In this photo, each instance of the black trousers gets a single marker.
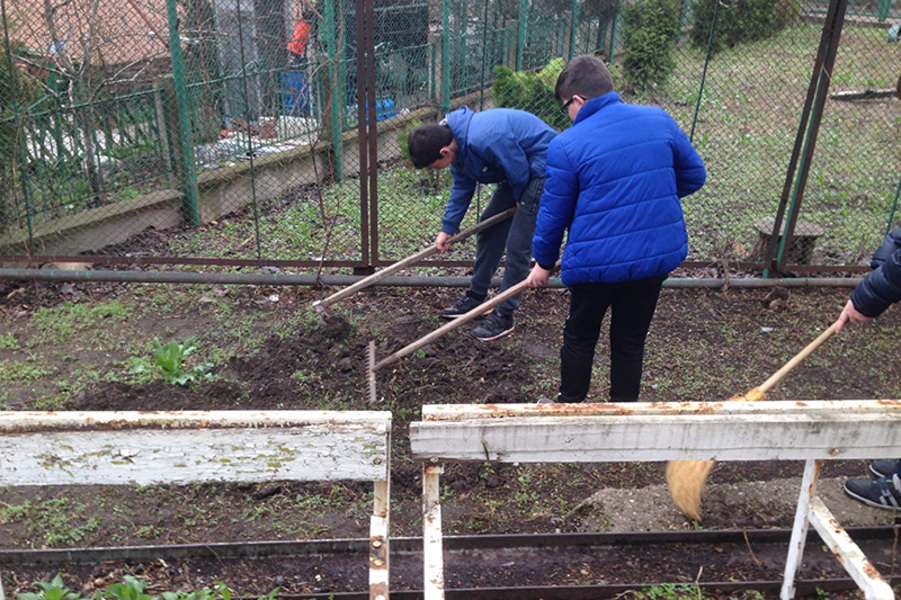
(633, 304)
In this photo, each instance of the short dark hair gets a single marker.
(426, 142)
(584, 76)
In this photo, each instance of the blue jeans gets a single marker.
(513, 236)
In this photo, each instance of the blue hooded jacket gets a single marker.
(881, 288)
(614, 180)
(499, 145)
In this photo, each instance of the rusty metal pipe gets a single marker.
(186, 277)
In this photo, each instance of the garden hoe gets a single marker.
(686, 478)
(322, 305)
(475, 313)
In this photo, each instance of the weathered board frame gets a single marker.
(546, 433)
(131, 447)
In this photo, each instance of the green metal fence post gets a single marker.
(884, 6)
(683, 13)
(460, 49)
(445, 56)
(573, 28)
(602, 34)
(333, 85)
(613, 26)
(522, 33)
(189, 170)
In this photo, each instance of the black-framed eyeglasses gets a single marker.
(566, 104)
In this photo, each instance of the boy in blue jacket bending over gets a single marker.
(614, 180)
(503, 146)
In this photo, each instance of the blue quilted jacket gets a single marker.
(499, 145)
(881, 288)
(614, 180)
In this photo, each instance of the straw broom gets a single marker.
(686, 478)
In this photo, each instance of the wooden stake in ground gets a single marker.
(475, 313)
(370, 372)
(686, 478)
(322, 305)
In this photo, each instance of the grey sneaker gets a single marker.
(493, 327)
(884, 492)
(463, 306)
(884, 467)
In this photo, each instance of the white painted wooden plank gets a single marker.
(799, 529)
(650, 438)
(459, 412)
(34, 421)
(379, 554)
(382, 489)
(324, 452)
(849, 555)
(432, 544)
(381, 498)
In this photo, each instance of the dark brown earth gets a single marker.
(703, 345)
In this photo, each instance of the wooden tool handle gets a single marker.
(462, 320)
(321, 305)
(794, 362)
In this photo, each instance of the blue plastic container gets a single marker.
(295, 93)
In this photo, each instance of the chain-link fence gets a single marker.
(229, 130)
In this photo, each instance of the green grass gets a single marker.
(56, 522)
(21, 371)
(669, 591)
(748, 120)
(70, 318)
(9, 342)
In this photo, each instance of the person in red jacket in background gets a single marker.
(297, 45)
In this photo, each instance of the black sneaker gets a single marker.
(881, 493)
(493, 326)
(885, 467)
(463, 306)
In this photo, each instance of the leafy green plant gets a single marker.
(403, 137)
(532, 91)
(428, 180)
(19, 89)
(170, 360)
(131, 588)
(50, 590)
(602, 9)
(8, 342)
(742, 21)
(649, 35)
(168, 363)
(669, 591)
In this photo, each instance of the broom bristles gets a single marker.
(686, 479)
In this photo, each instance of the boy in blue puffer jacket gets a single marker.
(872, 297)
(614, 180)
(503, 146)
